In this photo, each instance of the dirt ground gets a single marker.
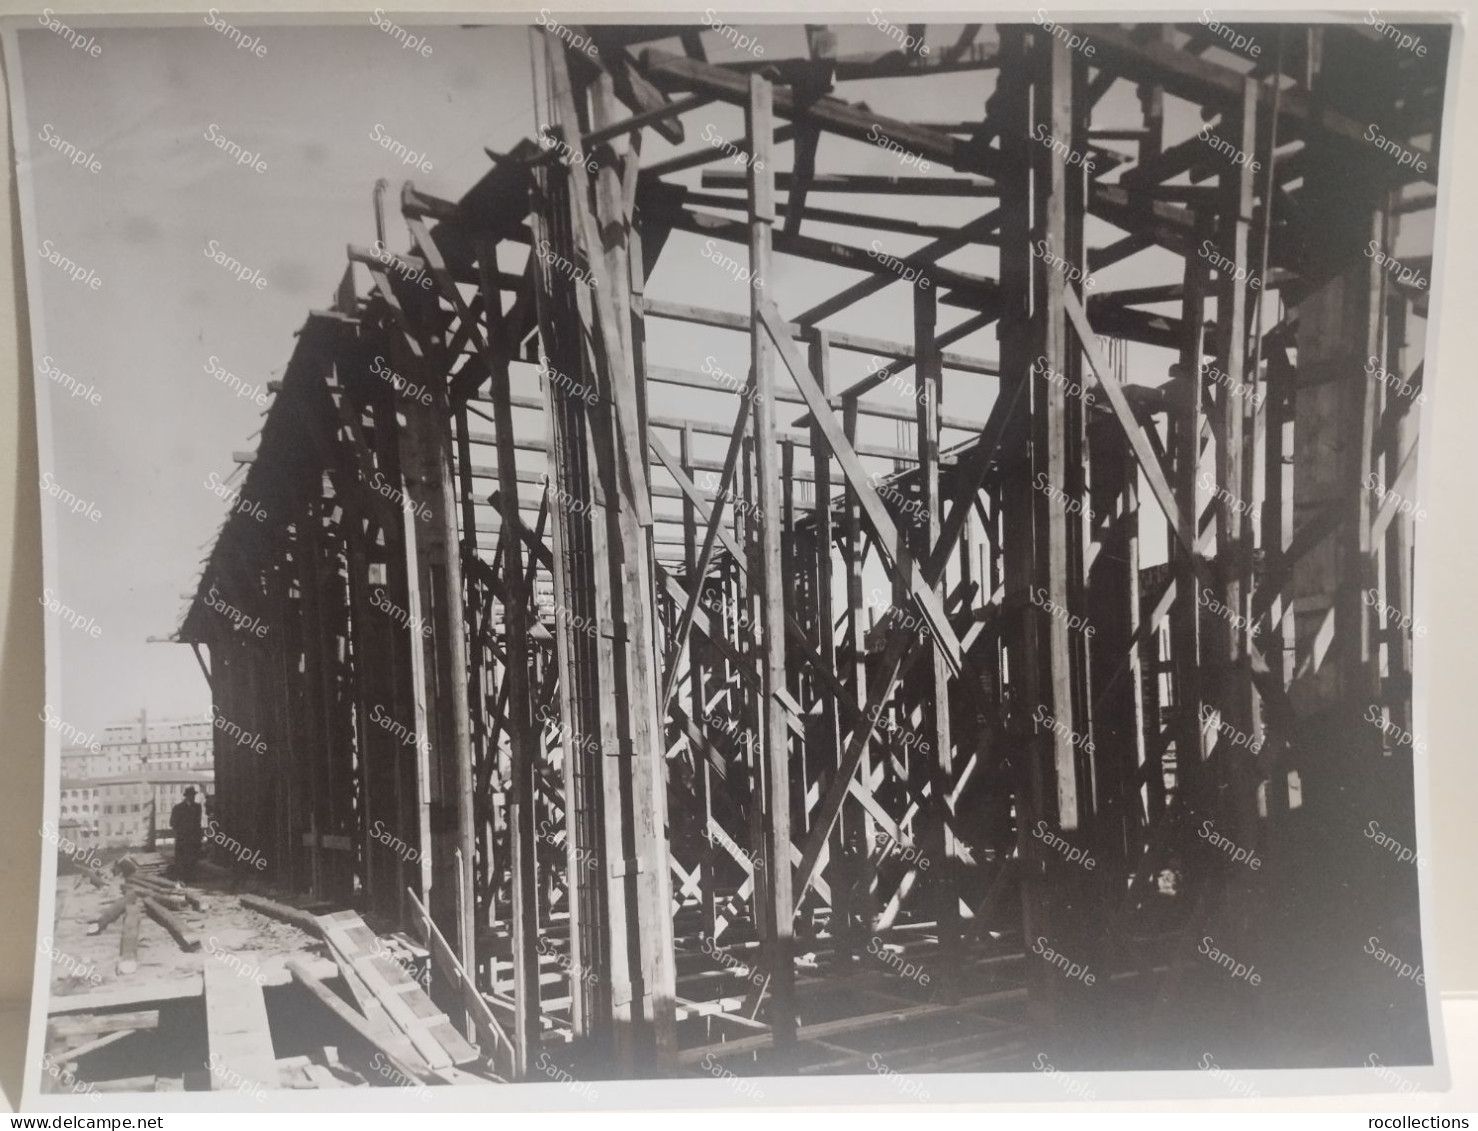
(87, 964)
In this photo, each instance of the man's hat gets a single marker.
(189, 791)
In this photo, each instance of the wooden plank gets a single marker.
(124, 997)
(1150, 463)
(866, 184)
(929, 253)
(1057, 444)
(383, 988)
(713, 531)
(166, 919)
(844, 340)
(832, 114)
(107, 915)
(413, 995)
(87, 1027)
(524, 742)
(128, 939)
(1162, 64)
(304, 919)
(935, 722)
(77, 1053)
(770, 583)
(889, 540)
(340, 1009)
(238, 1033)
(892, 668)
(611, 335)
(127, 1084)
(377, 1018)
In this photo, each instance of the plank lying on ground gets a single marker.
(172, 989)
(170, 902)
(376, 1017)
(97, 1043)
(239, 1034)
(107, 915)
(127, 1084)
(128, 939)
(304, 919)
(64, 1028)
(340, 1009)
(406, 1002)
(384, 984)
(168, 888)
(140, 862)
(121, 997)
(171, 923)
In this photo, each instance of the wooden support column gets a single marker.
(646, 870)
(856, 674)
(1037, 82)
(431, 519)
(1234, 770)
(846, 849)
(635, 914)
(697, 654)
(770, 583)
(1187, 419)
(939, 845)
(518, 706)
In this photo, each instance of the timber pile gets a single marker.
(146, 891)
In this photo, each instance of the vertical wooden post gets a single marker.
(774, 742)
(1235, 771)
(528, 1014)
(1187, 422)
(865, 905)
(845, 853)
(697, 652)
(938, 755)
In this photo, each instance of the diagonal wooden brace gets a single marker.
(890, 541)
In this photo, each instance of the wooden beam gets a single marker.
(238, 1034)
(889, 539)
(845, 119)
(778, 910)
(337, 1006)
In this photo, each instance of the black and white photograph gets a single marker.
(871, 561)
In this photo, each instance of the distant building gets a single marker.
(143, 745)
(133, 809)
(78, 811)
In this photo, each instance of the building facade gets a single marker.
(132, 810)
(143, 745)
(113, 788)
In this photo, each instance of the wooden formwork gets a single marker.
(624, 711)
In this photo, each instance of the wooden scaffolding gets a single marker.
(735, 740)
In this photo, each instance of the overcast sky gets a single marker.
(310, 108)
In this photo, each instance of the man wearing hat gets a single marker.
(184, 820)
